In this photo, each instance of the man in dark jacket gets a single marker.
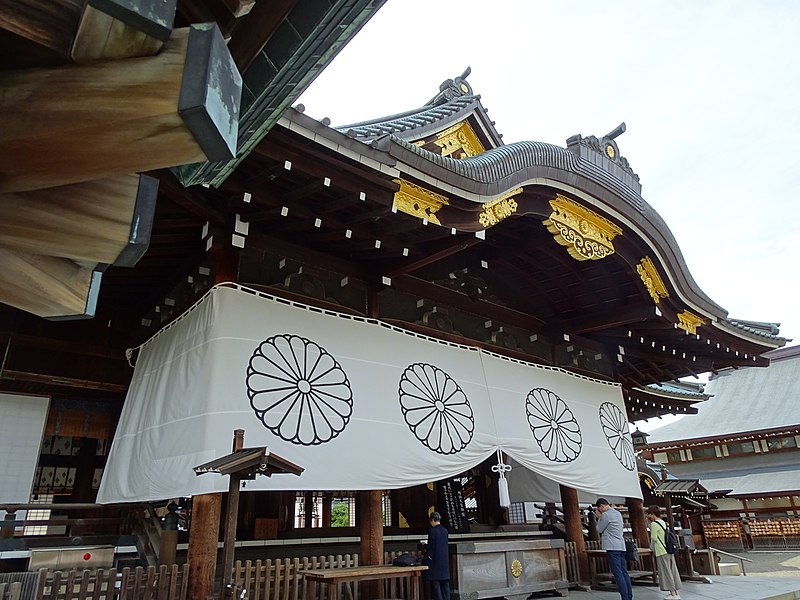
(437, 558)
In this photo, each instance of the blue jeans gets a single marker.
(440, 589)
(619, 569)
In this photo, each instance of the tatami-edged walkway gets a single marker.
(750, 587)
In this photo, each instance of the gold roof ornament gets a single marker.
(651, 279)
(418, 201)
(459, 137)
(689, 322)
(586, 235)
(495, 211)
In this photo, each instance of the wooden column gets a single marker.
(371, 530)
(593, 535)
(308, 510)
(370, 517)
(574, 528)
(327, 505)
(229, 544)
(82, 489)
(203, 541)
(638, 522)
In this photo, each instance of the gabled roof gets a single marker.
(680, 487)
(746, 400)
(454, 103)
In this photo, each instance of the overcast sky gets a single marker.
(710, 93)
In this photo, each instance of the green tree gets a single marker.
(340, 514)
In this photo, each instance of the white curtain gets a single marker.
(358, 403)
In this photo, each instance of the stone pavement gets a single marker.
(750, 587)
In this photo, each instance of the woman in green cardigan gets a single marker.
(669, 579)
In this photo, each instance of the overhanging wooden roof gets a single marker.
(322, 218)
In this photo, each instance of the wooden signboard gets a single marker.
(450, 501)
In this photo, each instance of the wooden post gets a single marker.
(327, 505)
(203, 542)
(574, 528)
(229, 543)
(670, 518)
(638, 522)
(371, 530)
(8, 532)
(308, 510)
(593, 535)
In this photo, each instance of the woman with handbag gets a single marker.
(669, 579)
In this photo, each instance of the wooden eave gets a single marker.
(322, 229)
(728, 437)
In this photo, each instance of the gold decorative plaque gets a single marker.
(516, 568)
(586, 235)
(651, 279)
(417, 201)
(459, 137)
(689, 322)
(495, 211)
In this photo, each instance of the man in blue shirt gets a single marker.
(609, 526)
(437, 557)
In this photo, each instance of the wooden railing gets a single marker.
(10, 591)
(279, 579)
(153, 583)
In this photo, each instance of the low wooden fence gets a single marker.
(280, 579)
(10, 591)
(153, 583)
(277, 579)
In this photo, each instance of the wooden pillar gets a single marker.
(82, 489)
(638, 521)
(327, 505)
(670, 518)
(593, 535)
(574, 528)
(371, 530)
(308, 510)
(203, 541)
(8, 532)
(229, 545)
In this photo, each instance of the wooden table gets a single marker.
(638, 573)
(333, 577)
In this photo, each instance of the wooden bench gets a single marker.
(333, 577)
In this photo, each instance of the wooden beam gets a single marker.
(78, 123)
(46, 286)
(438, 293)
(40, 31)
(257, 28)
(239, 8)
(602, 320)
(59, 381)
(449, 250)
(104, 221)
(113, 29)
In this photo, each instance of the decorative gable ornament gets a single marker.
(585, 234)
(651, 279)
(689, 322)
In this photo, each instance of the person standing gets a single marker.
(609, 526)
(437, 558)
(669, 579)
